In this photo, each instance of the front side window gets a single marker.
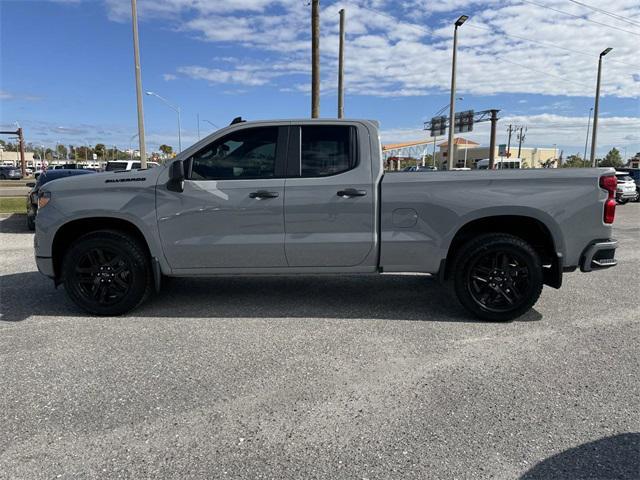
(327, 150)
(245, 154)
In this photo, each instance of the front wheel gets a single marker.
(497, 277)
(107, 273)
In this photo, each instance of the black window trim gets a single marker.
(294, 157)
(280, 161)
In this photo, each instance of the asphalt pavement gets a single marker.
(328, 377)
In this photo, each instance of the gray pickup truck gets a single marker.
(311, 197)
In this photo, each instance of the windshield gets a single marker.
(111, 166)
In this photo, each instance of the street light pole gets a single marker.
(341, 67)
(586, 141)
(451, 148)
(177, 110)
(595, 109)
(315, 58)
(136, 61)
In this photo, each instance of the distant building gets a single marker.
(468, 153)
(13, 158)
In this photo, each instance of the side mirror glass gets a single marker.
(176, 177)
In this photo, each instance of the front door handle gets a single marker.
(351, 192)
(263, 194)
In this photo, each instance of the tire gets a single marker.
(107, 273)
(31, 223)
(637, 197)
(622, 201)
(497, 277)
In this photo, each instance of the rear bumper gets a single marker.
(599, 255)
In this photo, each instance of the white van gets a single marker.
(499, 164)
(120, 165)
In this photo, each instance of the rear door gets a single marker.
(329, 204)
(230, 214)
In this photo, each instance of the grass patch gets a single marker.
(13, 205)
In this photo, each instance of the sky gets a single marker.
(66, 67)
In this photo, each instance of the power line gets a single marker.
(582, 18)
(605, 12)
(474, 25)
(500, 59)
(547, 44)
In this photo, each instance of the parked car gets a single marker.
(46, 177)
(626, 189)
(120, 165)
(10, 173)
(311, 196)
(635, 174)
(420, 168)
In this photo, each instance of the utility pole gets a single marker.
(451, 148)
(22, 161)
(521, 135)
(586, 141)
(18, 132)
(510, 130)
(594, 138)
(315, 58)
(341, 68)
(492, 139)
(136, 61)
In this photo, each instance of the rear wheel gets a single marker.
(107, 273)
(497, 277)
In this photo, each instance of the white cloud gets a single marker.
(390, 57)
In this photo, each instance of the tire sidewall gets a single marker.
(131, 252)
(488, 244)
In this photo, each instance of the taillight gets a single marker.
(609, 183)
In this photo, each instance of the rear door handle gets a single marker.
(263, 194)
(351, 192)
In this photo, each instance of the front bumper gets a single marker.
(599, 255)
(45, 266)
(626, 195)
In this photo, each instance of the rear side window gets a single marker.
(327, 150)
(245, 154)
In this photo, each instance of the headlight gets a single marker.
(43, 199)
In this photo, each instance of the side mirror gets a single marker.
(30, 184)
(176, 177)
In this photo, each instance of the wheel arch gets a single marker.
(531, 229)
(74, 229)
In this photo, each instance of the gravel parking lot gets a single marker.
(300, 377)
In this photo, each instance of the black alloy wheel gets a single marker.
(103, 275)
(498, 280)
(107, 272)
(497, 277)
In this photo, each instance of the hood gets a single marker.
(105, 180)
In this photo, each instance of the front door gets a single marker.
(230, 214)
